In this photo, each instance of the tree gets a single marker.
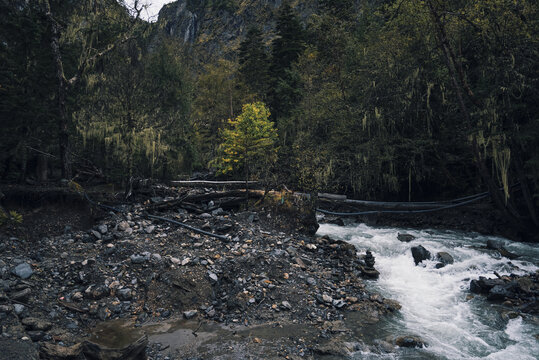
(94, 28)
(220, 95)
(254, 62)
(249, 144)
(286, 48)
(134, 116)
(26, 118)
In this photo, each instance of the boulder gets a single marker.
(501, 292)
(409, 341)
(494, 244)
(420, 253)
(405, 237)
(444, 259)
(483, 285)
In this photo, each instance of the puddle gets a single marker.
(179, 337)
(115, 333)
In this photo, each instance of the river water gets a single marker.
(434, 301)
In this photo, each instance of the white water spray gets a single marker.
(434, 301)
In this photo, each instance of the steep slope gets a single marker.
(216, 28)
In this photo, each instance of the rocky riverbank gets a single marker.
(141, 272)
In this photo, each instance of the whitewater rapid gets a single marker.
(435, 302)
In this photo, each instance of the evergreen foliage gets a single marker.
(254, 62)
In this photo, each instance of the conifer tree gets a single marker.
(286, 48)
(254, 62)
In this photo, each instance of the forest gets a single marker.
(380, 100)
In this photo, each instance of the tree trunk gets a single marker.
(63, 121)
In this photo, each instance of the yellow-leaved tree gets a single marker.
(249, 143)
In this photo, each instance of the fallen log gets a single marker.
(207, 183)
(191, 199)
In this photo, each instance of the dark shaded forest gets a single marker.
(386, 100)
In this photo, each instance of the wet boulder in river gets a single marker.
(444, 259)
(483, 285)
(420, 253)
(405, 237)
(494, 244)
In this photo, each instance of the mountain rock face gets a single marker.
(215, 28)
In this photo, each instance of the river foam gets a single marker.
(435, 303)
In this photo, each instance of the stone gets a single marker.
(369, 260)
(123, 226)
(224, 228)
(185, 261)
(96, 234)
(23, 270)
(483, 285)
(149, 229)
(36, 336)
(370, 273)
(124, 294)
(77, 296)
(444, 259)
(31, 323)
(291, 251)
(18, 308)
(409, 341)
(405, 237)
(286, 305)
(501, 292)
(189, 314)
(97, 292)
(300, 263)
(327, 299)
(311, 281)
(103, 228)
(494, 244)
(156, 258)
(175, 261)
(103, 313)
(392, 305)
(137, 259)
(420, 253)
(212, 276)
(218, 212)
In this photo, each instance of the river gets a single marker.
(435, 303)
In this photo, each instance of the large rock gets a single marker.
(483, 285)
(501, 292)
(420, 253)
(444, 259)
(405, 237)
(494, 244)
(24, 271)
(409, 341)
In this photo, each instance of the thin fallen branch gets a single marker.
(220, 237)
